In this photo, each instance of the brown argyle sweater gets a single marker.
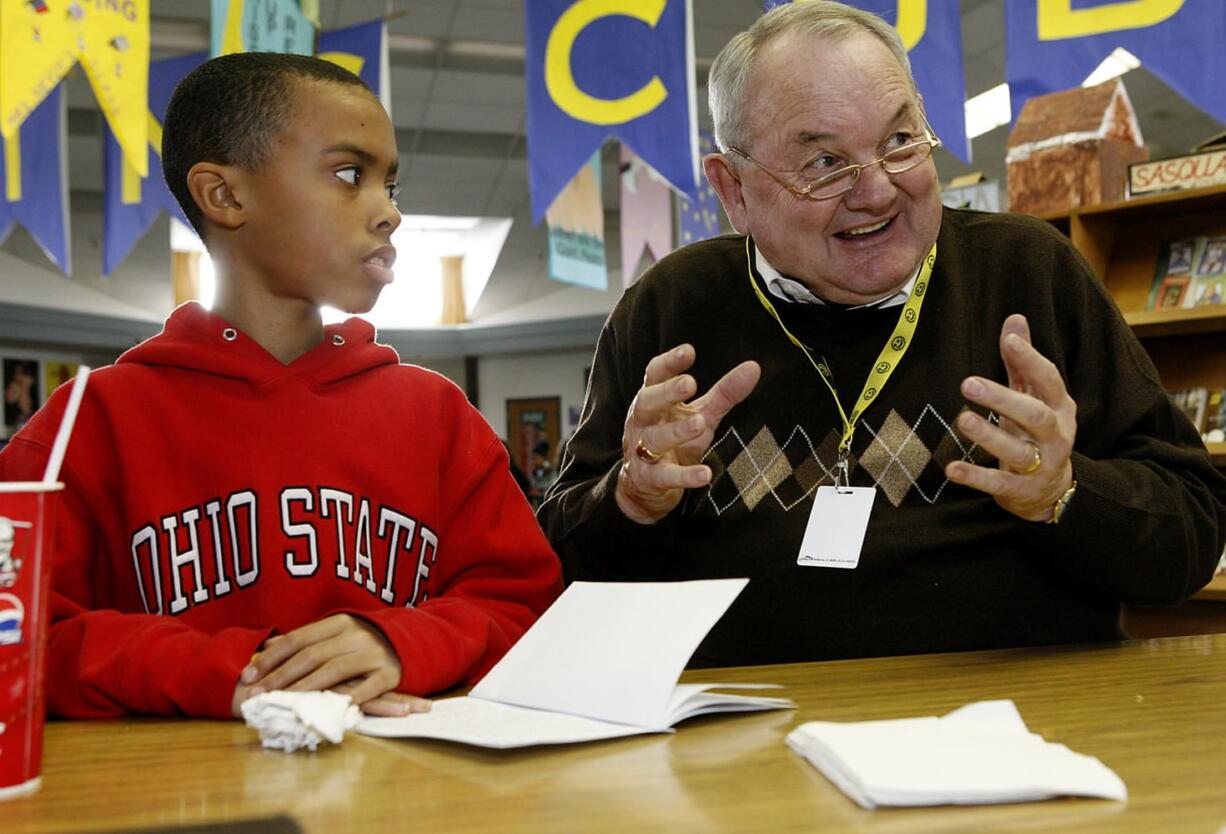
(943, 568)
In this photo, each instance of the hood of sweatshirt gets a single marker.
(194, 339)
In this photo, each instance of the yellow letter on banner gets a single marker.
(232, 34)
(12, 168)
(130, 181)
(912, 21)
(1058, 20)
(344, 60)
(560, 81)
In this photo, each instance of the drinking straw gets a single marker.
(60, 445)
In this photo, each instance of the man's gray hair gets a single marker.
(827, 19)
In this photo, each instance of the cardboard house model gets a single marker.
(1073, 148)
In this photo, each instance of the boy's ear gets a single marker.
(213, 187)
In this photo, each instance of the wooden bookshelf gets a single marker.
(1121, 240)
(1149, 324)
(1217, 453)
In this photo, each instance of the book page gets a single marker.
(498, 726)
(610, 651)
(693, 699)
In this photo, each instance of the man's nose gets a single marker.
(874, 189)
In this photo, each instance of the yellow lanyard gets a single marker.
(895, 347)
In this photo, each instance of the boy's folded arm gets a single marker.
(103, 664)
(495, 573)
(450, 641)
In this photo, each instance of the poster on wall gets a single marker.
(22, 393)
(533, 434)
(56, 373)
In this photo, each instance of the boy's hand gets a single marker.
(341, 653)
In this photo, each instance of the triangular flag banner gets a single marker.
(576, 231)
(646, 215)
(39, 43)
(597, 69)
(931, 30)
(131, 203)
(260, 26)
(361, 49)
(699, 219)
(1055, 44)
(38, 199)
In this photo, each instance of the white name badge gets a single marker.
(837, 524)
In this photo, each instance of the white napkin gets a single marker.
(979, 754)
(290, 720)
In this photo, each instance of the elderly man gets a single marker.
(915, 429)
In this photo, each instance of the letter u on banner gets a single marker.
(931, 32)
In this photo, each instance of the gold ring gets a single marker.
(1034, 464)
(644, 454)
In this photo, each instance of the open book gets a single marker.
(602, 662)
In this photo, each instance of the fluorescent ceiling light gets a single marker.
(415, 298)
(1116, 64)
(987, 111)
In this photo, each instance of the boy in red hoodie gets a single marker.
(255, 501)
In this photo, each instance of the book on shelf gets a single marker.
(1190, 273)
(1206, 409)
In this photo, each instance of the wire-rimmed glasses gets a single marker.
(838, 183)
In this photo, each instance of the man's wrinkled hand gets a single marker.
(1033, 442)
(666, 433)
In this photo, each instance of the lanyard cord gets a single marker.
(887, 360)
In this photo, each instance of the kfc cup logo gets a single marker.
(9, 563)
(12, 613)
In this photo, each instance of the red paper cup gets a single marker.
(26, 511)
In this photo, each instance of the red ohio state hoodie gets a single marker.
(214, 497)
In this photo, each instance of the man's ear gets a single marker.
(727, 185)
(214, 188)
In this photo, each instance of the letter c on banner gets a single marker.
(560, 81)
(912, 22)
(1058, 19)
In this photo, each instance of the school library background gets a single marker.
(1108, 121)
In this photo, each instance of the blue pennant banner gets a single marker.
(931, 30)
(361, 49)
(699, 219)
(130, 203)
(601, 68)
(38, 199)
(1055, 44)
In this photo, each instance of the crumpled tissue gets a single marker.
(292, 720)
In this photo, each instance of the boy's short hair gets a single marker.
(228, 109)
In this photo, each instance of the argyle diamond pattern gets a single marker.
(900, 458)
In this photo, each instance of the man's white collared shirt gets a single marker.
(788, 289)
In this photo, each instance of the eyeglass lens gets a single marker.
(897, 161)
